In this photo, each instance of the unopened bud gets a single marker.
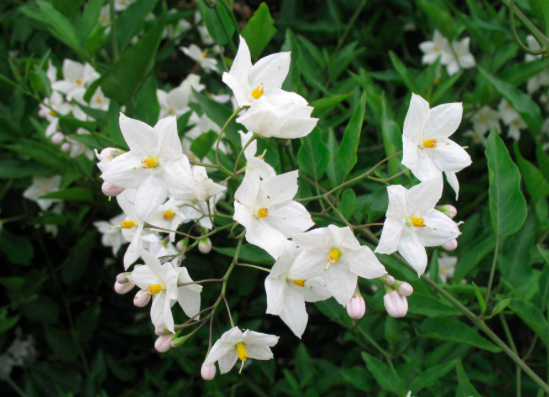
(205, 245)
(449, 210)
(356, 308)
(405, 289)
(142, 298)
(108, 152)
(66, 147)
(390, 280)
(122, 279)
(182, 244)
(395, 304)
(160, 330)
(450, 245)
(58, 138)
(123, 288)
(163, 343)
(111, 190)
(208, 373)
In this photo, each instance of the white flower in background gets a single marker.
(194, 52)
(111, 232)
(476, 137)
(159, 247)
(235, 344)
(255, 163)
(205, 187)
(205, 35)
(121, 5)
(51, 73)
(6, 364)
(174, 31)
(77, 147)
(286, 297)
(427, 150)
(99, 100)
(461, 57)
(221, 98)
(76, 78)
(22, 349)
(167, 216)
(335, 253)
(161, 282)
(132, 226)
(438, 47)
(42, 186)
(52, 107)
(280, 114)
(485, 120)
(541, 79)
(52, 229)
(155, 164)
(267, 210)
(176, 102)
(446, 267)
(512, 119)
(105, 15)
(413, 223)
(203, 125)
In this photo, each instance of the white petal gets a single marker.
(315, 290)
(134, 250)
(275, 290)
(234, 335)
(270, 71)
(154, 264)
(416, 118)
(309, 263)
(363, 263)
(279, 189)
(413, 251)
(242, 215)
(140, 137)
(258, 338)
(319, 238)
(150, 195)
(452, 179)
(170, 145)
(219, 349)
(189, 300)
(341, 282)
(157, 308)
(177, 175)
(258, 352)
(424, 196)
(390, 235)
(449, 156)
(247, 191)
(439, 230)
(125, 171)
(265, 236)
(294, 313)
(72, 70)
(227, 362)
(290, 219)
(443, 121)
(343, 237)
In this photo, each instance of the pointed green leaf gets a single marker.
(465, 388)
(499, 307)
(383, 375)
(535, 182)
(259, 31)
(347, 204)
(403, 71)
(313, 155)
(428, 377)
(455, 331)
(480, 299)
(532, 316)
(346, 155)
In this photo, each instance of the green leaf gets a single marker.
(60, 26)
(6, 323)
(43, 310)
(86, 322)
(131, 20)
(455, 331)
(304, 366)
(292, 81)
(71, 194)
(62, 344)
(248, 253)
(334, 174)
(407, 77)
(532, 316)
(313, 155)
(428, 306)
(480, 299)
(383, 375)
(347, 204)
(499, 307)
(79, 258)
(522, 103)
(91, 89)
(217, 26)
(358, 377)
(392, 138)
(535, 182)
(134, 65)
(443, 87)
(114, 125)
(203, 143)
(90, 17)
(346, 155)
(543, 161)
(322, 105)
(465, 388)
(259, 31)
(124, 372)
(439, 14)
(147, 108)
(21, 169)
(507, 204)
(68, 7)
(520, 73)
(428, 377)
(18, 249)
(473, 256)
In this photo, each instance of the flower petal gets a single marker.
(227, 362)
(294, 313)
(423, 196)
(439, 229)
(341, 282)
(258, 338)
(413, 251)
(443, 121)
(140, 137)
(363, 263)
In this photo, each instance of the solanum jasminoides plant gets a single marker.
(344, 199)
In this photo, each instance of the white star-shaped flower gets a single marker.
(194, 52)
(111, 232)
(512, 119)
(42, 186)
(76, 78)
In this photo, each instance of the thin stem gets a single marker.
(255, 267)
(219, 139)
(253, 138)
(378, 347)
(350, 25)
(200, 282)
(512, 344)
(540, 37)
(228, 310)
(114, 42)
(492, 270)
(338, 212)
(14, 386)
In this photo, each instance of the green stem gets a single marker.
(114, 42)
(378, 347)
(512, 344)
(540, 37)
(14, 386)
(492, 271)
(252, 139)
(350, 25)
(221, 167)
(254, 266)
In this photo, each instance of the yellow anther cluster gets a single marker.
(418, 222)
(242, 352)
(300, 283)
(148, 162)
(168, 215)
(333, 257)
(154, 289)
(263, 212)
(430, 143)
(127, 224)
(258, 91)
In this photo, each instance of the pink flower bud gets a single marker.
(123, 288)
(141, 298)
(107, 152)
(182, 244)
(163, 343)
(66, 147)
(356, 308)
(160, 330)
(58, 138)
(405, 289)
(122, 279)
(111, 190)
(208, 373)
(395, 304)
(450, 245)
(390, 280)
(205, 246)
(449, 210)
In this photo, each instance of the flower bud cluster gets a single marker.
(395, 300)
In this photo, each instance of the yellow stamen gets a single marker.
(263, 212)
(437, 48)
(192, 158)
(242, 352)
(98, 99)
(149, 162)
(154, 289)
(516, 122)
(168, 215)
(258, 91)
(105, 19)
(418, 222)
(333, 257)
(484, 118)
(127, 224)
(52, 113)
(442, 271)
(300, 283)
(437, 80)
(78, 81)
(430, 143)
(203, 55)
(46, 191)
(170, 111)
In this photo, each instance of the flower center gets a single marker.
(203, 55)
(437, 80)
(300, 283)
(154, 289)
(241, 350)
(78, 81)
(170, 111)
(332, 258)
(192, 158)
(442, 271)
(98, 99)
(127, 224)
(516, 122)
(258, 91)
(418, 222)
(430, 143)
(263, 212)
(123, 2)
(168, 215)
(484, 118)
(149, 162)
(437, 48)
(52, 112)
(46, 191)
(105, 19)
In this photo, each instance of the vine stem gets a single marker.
(222, 167)
(14, 386)
(492, 270)
(252, 139)
(540, 37)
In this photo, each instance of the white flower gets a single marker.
(194, 52)
(427, 150)
(204, 125)
(476, 137)
(413, 223)
(176, 102)
(155, 164)
(105, 15)
(167, 216)
(52, 107)
(76, 79)
(132, 226)
(540, 79)
(221, 98)
(446, 267)
(99, 100)
(205, 187)
(512, 119)
(460, 57)
(22, 349)
(335, 253)
(77, 147)
(267, 210)
(174, 32)
(257, 164)
(42, 186)
(235, 344)
(286, 297)
(485, 120)
(121, 5)
(6, 364)
(112, 232)
(439, 47)
(205, 35)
